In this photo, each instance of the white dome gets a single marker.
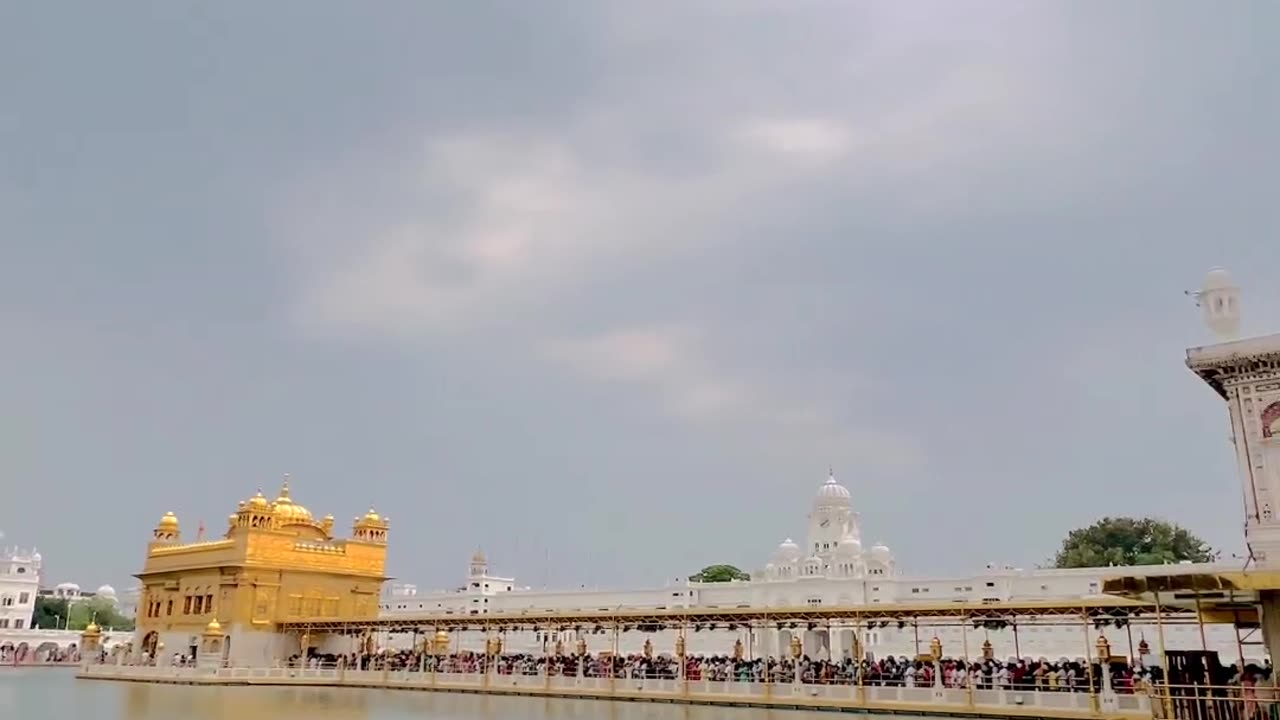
(68, 586)
(849, 546)
(788, 551)
(832, 494)
(106, 591)
(1218, 279)
(880, 551)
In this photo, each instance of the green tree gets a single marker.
(50, 613)
(98, 610)
(719, 573)
(1131, 541)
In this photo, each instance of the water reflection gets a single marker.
(53, 693)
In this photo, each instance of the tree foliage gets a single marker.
(50, 613)
(98, 610)
(1131, 541)
(57, 614)
(718, 574)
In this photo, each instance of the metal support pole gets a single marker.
(1204, 645)
(1088, 661)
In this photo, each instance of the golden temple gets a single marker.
(274, 563)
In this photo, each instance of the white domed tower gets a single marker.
(880, 560)
(783, 564)
(846, 559)
(832, 519)
(1219, 300)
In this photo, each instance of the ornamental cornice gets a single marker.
(1224, 370)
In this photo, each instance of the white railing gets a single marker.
(700, 691)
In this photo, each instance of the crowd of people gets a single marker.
(1025, 674)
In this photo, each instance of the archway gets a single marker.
(847, 644)
(149, 643)
(6, 652)
(21, 653)
(46, 652)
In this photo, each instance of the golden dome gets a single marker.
(169, 521)
(442, 636)
(213, 628)
(287, 510)
(92, 628)
(258, 502)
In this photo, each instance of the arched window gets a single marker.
(1271, 420)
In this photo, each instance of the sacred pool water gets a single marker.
(38, 693)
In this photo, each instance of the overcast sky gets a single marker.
(605, 288)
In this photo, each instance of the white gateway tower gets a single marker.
(1246, 374)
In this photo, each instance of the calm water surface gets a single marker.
(50, 693)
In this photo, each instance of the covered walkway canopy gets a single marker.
(1232, 596)
(1096, 609)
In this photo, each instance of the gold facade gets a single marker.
(275, 563)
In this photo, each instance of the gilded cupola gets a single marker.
(255, 513)
(371, 528)
(167, 529)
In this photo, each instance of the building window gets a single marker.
(168, 609)
(814, 601)
(186, 605)
(17, 624)
(23, 598)
(6, 601)
(4, 623)
(991, 584)
(208, 603)
(915, 590)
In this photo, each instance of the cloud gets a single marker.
(813, 137)
(673, 364)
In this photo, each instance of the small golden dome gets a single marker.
(372, 516)
(92, 628)
(169, 520)
(213, 628)
(442, 636)
(258, 502)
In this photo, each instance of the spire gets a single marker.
(200, 532)
(284, 487)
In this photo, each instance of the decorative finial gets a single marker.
(200, 531)
(284, 487)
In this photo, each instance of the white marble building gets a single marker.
(19, 586)
(837, 571)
